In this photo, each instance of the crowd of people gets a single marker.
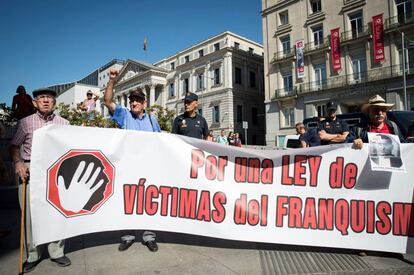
(232, 139)
(332, 130)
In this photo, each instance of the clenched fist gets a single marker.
(113, 74)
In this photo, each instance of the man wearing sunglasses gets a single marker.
(134, 119)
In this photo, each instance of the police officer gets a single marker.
(190, 124)
(332, 130)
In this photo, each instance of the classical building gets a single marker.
(225, 71)
(366, 52)
(139, 75)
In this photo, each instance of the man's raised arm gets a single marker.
(109, 91)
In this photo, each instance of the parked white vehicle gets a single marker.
(291, 141)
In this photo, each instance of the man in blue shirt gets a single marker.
(134, 119)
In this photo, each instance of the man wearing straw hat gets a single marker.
(44, 101)
(376, 110)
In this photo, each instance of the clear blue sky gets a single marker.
(45, 42)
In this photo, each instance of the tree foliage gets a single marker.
(7, 117)
(164, 116)
(75, 116)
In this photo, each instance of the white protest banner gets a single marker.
(86, 180)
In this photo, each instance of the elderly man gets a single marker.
(332, 130)
(376, 110)
(190, 124)
(134, 119)
(44, 101)
(307, 138)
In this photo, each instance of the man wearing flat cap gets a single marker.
(190, 124)
(376, 110)
(134, 119)
(44, 101)
(332, 130)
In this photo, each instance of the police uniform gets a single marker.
(185, 125)
(337, 126)
(195, 127)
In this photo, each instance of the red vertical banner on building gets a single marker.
(336, 50)
(378, 38)
(300, 59)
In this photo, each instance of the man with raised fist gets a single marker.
(134, 119)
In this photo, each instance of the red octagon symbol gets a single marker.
(52, 194)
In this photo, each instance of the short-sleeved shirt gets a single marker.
(222, 140)
(90, 104)
(127, 120)
(26, 128)
(337, 126)
(311, 137)
(195, 127)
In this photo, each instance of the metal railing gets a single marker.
(355, 33)
(285, 92)
(355, 78)
(317, 45)
(284, 54)
(398, 20)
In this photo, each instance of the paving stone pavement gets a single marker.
(97, 254)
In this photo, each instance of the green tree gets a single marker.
(164, 116)
(7, 117)
(75, 116)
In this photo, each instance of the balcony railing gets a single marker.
(317, 45)
(355, 78)
(285, 92)
(399, 20)
(355, 33)
(284, 54)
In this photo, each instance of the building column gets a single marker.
(152, 95)
(346, 64)
(208, 78)
(228, 68)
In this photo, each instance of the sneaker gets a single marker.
(30, 266)
(62, 261)
(152, 246)
(124, 245)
